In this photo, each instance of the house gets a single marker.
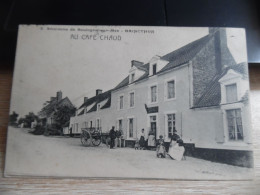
(50, 107)
(198, 90)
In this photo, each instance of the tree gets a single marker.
(28, 119)
(13, 118)
(63, 114)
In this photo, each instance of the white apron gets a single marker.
(151, 140)
(176, 151)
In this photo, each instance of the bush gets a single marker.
(39, 130)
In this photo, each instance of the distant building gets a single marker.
(198, 89)
(47, 112)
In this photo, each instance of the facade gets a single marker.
(198, 90)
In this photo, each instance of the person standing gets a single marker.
(151, 139)
(112, 135)
(142, 140)
(118, 139)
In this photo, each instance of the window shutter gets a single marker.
(149, 94)
(220, 136)
(118, 103)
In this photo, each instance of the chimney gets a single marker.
(85, 99)
(134, 62)
(221, 48)
(213, 30)
(59, 95)
(52, 99)
(98, 91)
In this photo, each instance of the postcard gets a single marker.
(130, 102)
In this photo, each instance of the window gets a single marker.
(170, 124)
(98, 124)
(91, 124)
(132, 79)
(154, 69)
(171, 89)
(131, 128)
(154, 94)
(121, 102)
(76, 127)
(132, 99)
(231, 93)
(235, 128)
(120, 125)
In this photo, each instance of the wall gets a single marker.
(142, 89)
(201, 127)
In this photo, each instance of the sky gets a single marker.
(48, 59)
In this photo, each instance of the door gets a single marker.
(153, 125)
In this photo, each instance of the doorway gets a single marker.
(153, 125)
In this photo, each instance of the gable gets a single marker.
(231, 74)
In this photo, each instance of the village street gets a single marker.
(64, 156)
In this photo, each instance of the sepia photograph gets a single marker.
(130, 102)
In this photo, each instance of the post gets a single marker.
(181, 124)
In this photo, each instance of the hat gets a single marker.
(174, 130)
(160, 136)
(180, 142)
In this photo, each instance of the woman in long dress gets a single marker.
(142, 140)
(151, 139)
(176, 150)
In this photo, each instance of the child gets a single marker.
(160, 151)
(137, 145)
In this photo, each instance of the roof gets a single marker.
(123, 83)
(96, 99)
(185, 53)
(48, 109)
(175, 58)
(107, 104)
(81, 112)
(212, 93)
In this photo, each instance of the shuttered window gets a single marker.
(154, 94)
(76, 127)
(132, 99)
(98, 124)
(231, 93)
(131, 128)
(170, 124)
(120, 125)
(132, 78)
(121, 102)
(171, 89)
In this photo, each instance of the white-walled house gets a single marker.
(198, 89)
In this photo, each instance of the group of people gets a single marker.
(176, 148)
(115, 137)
